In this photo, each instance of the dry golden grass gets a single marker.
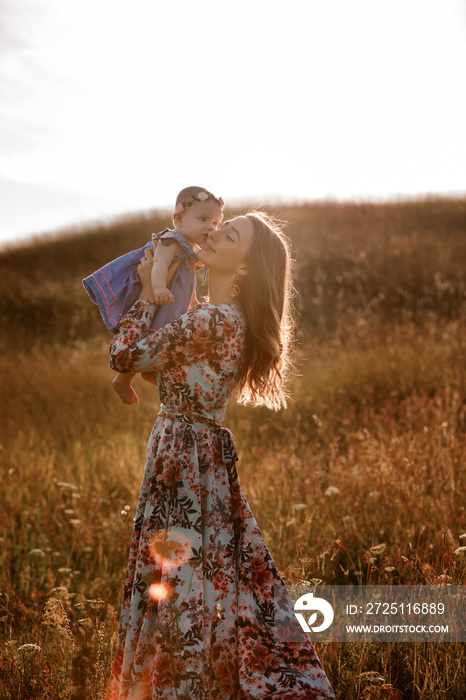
(371, 450)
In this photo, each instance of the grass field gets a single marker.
(369, 453)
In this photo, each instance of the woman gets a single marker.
(196, 619)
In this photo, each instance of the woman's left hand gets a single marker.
(144, 273)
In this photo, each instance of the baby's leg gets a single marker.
(122, 386)
(149, 377)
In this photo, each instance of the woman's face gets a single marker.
(225, 250)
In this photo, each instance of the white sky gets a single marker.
(109, 106)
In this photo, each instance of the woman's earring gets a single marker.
(233, 289)
(204, 279)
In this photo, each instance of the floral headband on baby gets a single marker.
(201, 197)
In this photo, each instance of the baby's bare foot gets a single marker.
(124, 390)
(149, 377)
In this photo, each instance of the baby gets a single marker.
(115, 287)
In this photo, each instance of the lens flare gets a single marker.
(159, 591)
(170, 548)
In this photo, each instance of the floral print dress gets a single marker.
(196, 621)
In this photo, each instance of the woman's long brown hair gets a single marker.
(266, 293)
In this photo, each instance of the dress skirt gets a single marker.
(197, 614)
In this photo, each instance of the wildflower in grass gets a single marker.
(372, 677)
(29, 648)
(378, 549)
(317, 420)
(299, 506)
(75, 521)
(59, 590)
(38, 553)
(331, 491)
(460, 550)
(95, 603)
(65, 485)
(310, 582)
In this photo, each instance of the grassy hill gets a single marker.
(361, 479)
(382, 262)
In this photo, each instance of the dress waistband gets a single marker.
(193, 421)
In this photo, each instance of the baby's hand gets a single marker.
(162, 295)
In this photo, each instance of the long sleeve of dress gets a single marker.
(205, 334)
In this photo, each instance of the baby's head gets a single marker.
(197, 212)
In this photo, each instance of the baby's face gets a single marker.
(198, 220)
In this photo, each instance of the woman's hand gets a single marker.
(144, 273)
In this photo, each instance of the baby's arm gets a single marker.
(172, 269)
(162, 271)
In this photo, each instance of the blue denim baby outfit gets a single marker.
(115, 287)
